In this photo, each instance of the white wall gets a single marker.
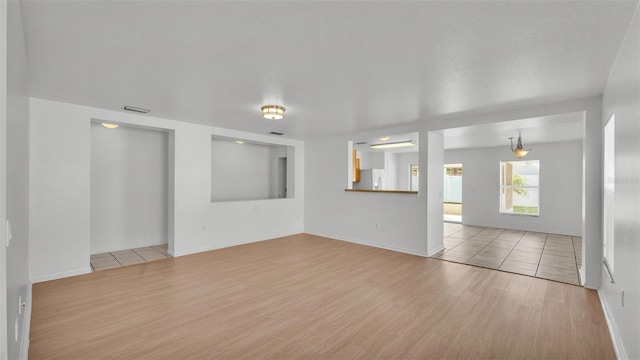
(364, 159)
(434, 184)
(376, 160)
(244, 171)
(392, 221)
(404, 162)
(622, 97)
(129, 194)
(60, 207)
(3, 179)
(60, 189)
(560, 187)
(17, 189)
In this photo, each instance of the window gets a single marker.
(519, 187)
(609, 192)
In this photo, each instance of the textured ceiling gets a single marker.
(337, 66)
(561, 127)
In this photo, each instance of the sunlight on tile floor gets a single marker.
(121, 258)
(548, 256)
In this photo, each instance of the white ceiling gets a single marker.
(364, 145)
(337, 66)
(561, 127)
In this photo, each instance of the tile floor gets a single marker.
(120, 258)
(453, 218)
(548, 256)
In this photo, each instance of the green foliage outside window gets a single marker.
(520, 181)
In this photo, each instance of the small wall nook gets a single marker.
(249, 170)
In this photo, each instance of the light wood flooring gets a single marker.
(305, 296)
(547, 256)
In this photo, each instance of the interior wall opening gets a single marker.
(385, 163)
(452, 193)
(247, 170)
(129, 195)
(494, 232)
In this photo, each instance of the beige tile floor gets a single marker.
(548, 256)
(120, 258)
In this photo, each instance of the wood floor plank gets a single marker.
(305, 296)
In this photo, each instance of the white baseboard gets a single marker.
(61, 275)
(212, 247)
(386, 247)
(26, 326)
(220, 246)
(223, 245)
(130, 246)
(435, 251)
(540, 229)
(613, 329)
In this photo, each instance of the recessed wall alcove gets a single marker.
(129, 187)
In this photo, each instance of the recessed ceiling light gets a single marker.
(273, 112)
(135, 109)
(239, 142)
(110, 126)
(383, 138)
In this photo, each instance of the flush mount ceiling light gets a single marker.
(110, 126)
(519, 151)
(383, 138)
(392, 145)
(273, 112)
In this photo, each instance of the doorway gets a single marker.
(129, 190)
(414, 175)
(452, 193)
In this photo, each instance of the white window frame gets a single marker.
(608, 187)
(503, 187)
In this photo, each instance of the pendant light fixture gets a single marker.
(519, 151)
(273, 112)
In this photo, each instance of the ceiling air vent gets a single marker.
(276, 133)
(135, 109)
(361, 143)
